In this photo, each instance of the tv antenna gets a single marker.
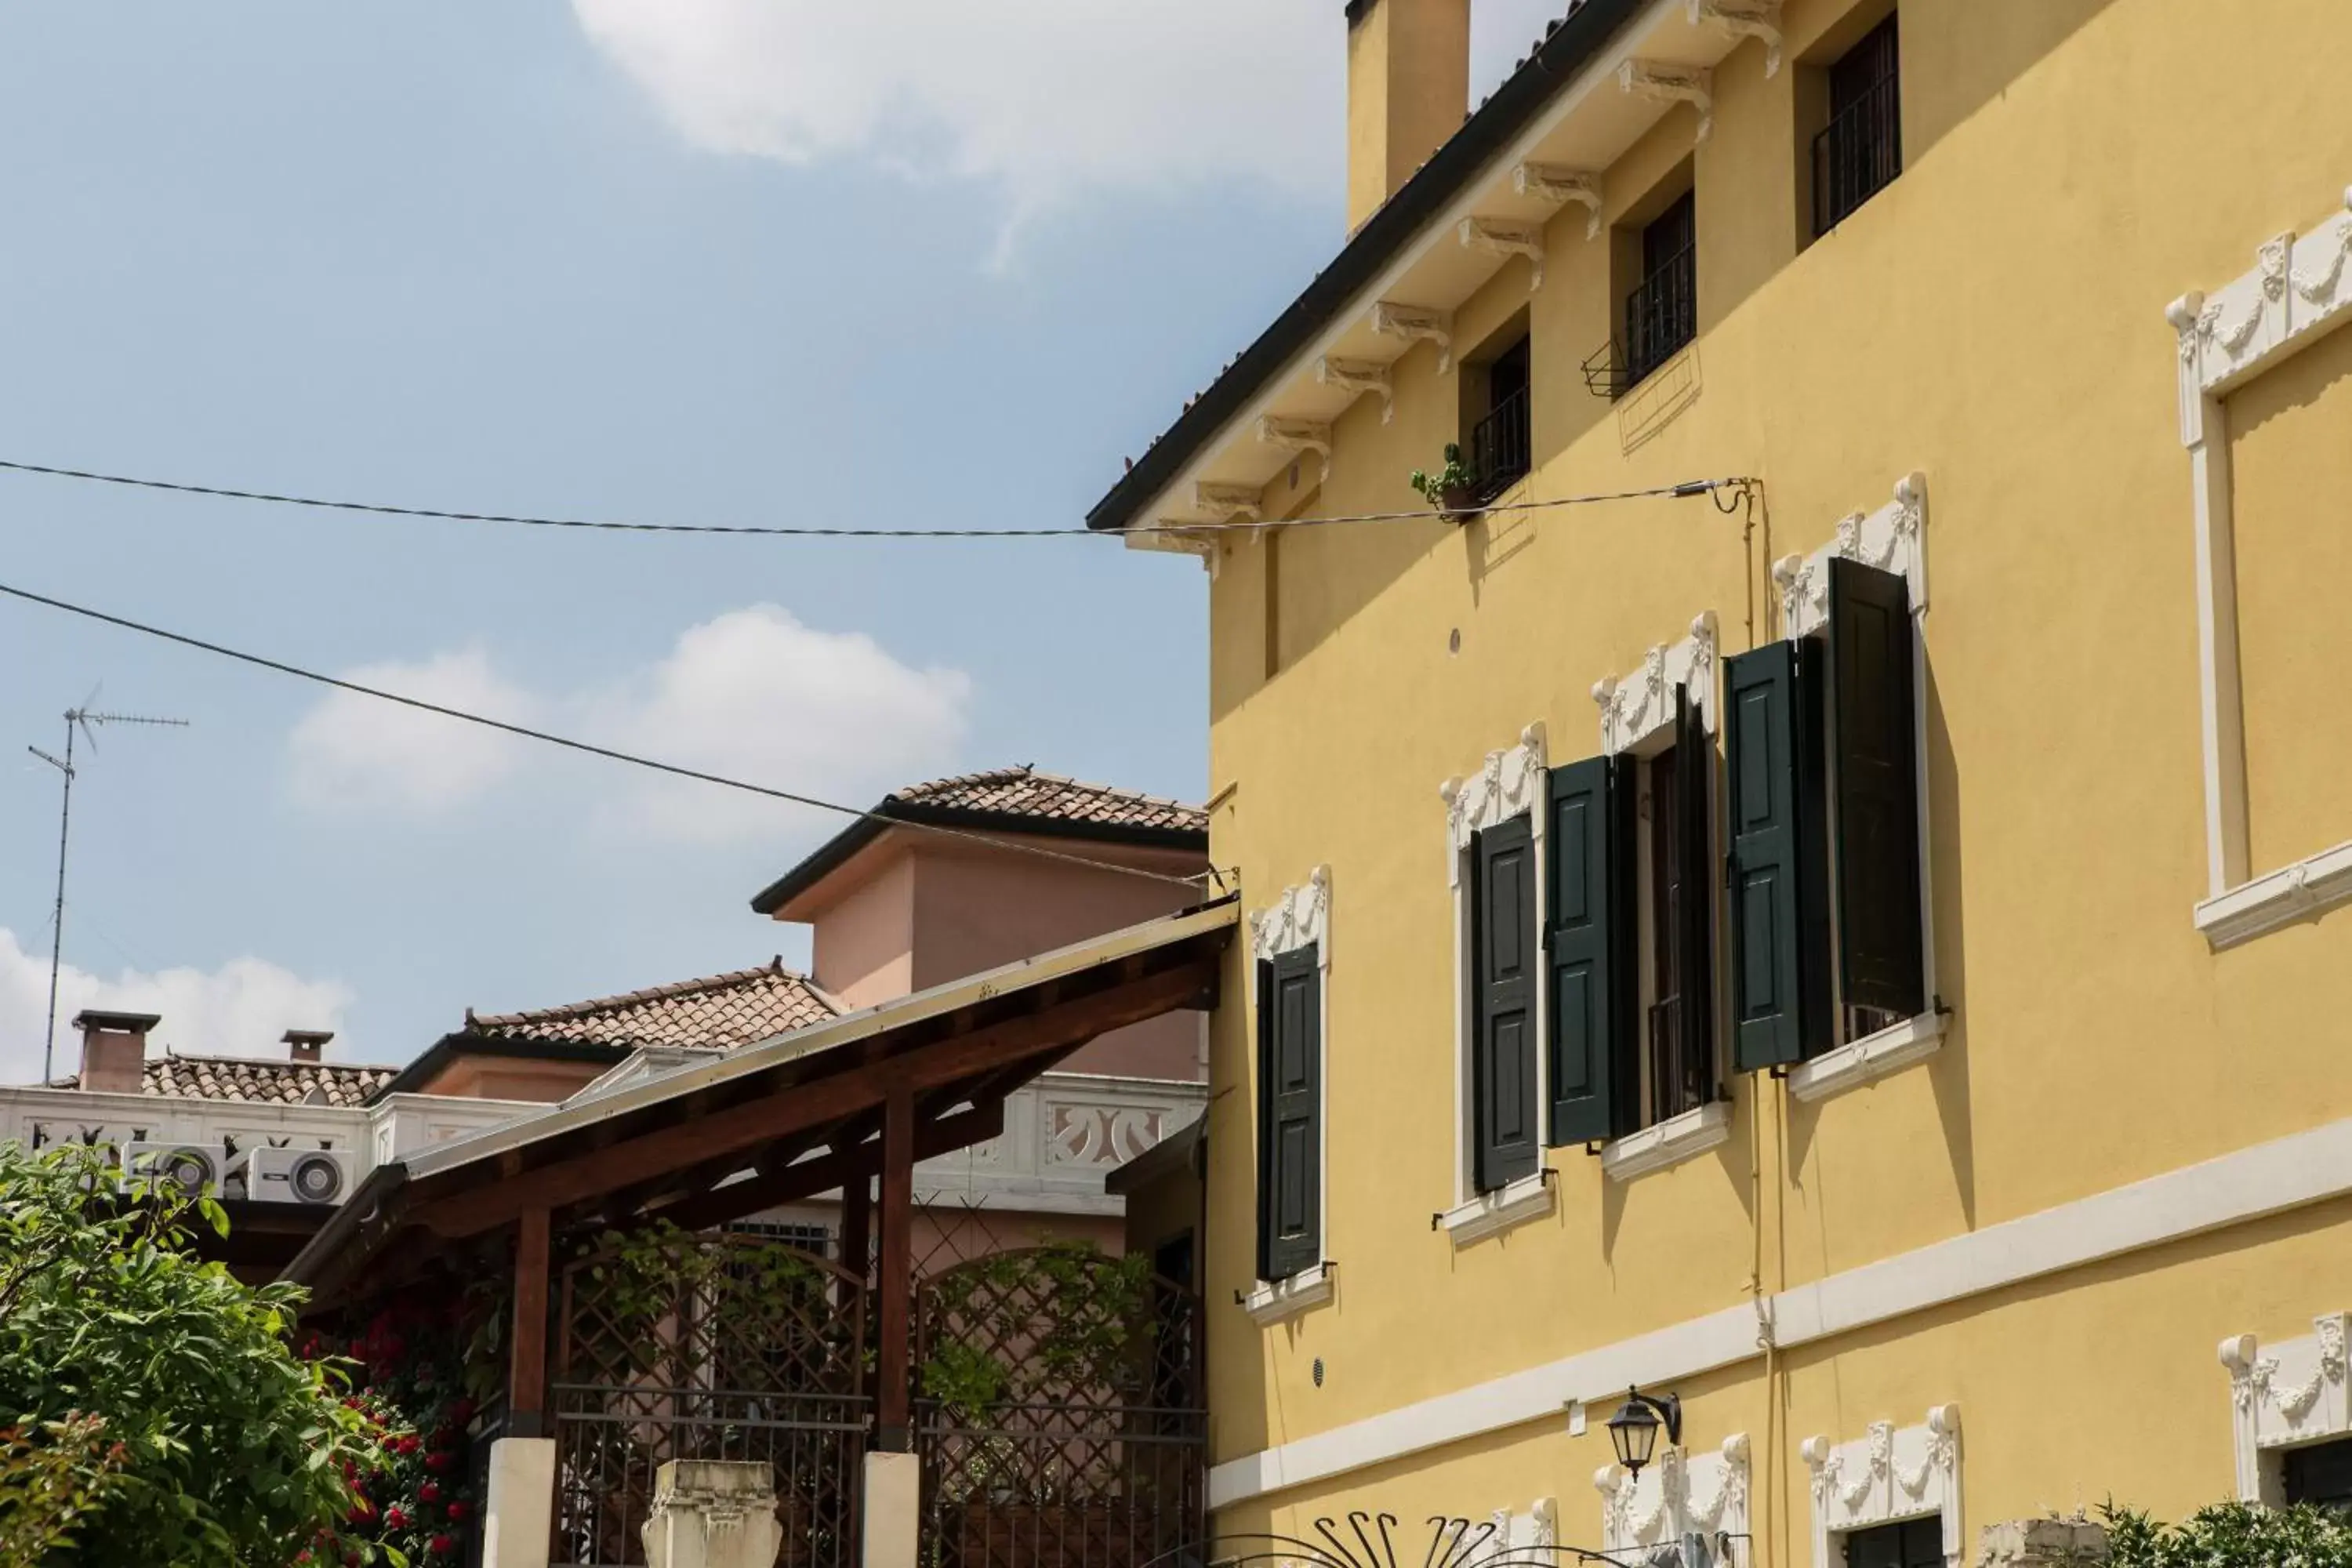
(84, 719)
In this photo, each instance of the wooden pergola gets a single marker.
(833, 1106)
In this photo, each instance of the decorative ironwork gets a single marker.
(1662, 315)
(1059, 1425)
(724, 1346)
(1860, 152)
(1501, 446)
(1367, 1539)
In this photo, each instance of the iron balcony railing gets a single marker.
(1661, 316)
(1858, 154)
(1499, 445)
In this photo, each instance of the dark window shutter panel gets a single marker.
(1778, 893)
(1588, 936)
(1507, 1141)
(1695, 889)
(1290, 1043)
(1875, 752)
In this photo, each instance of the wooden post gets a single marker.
(858, 1225)
(527, 1368)
(894, 1268)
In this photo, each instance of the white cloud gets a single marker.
(239, 1009)
(355, 751)
(751, 694)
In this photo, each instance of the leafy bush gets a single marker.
(2230, 1535)
(223, 1447)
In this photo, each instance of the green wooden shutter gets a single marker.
(1694, 912)
(1290, 1113)
(1590, 937)
(1875, 751)
(1779, 874)
(1506, 1140)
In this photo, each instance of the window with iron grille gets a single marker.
(809, 1238)
(1662, 312)
(1502, 436)
(1914, 1543)
(1860, 151)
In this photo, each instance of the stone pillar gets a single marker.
(894, 1501)
(518, 1517)
(713, 1513)
(2042, 1543)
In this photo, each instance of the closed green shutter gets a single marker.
(1778, 880)
(1290, 1074)
(1507, 1140)
(1875, 752)
(1590, 940)
(1693, 892)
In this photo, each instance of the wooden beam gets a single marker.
(526, 1367)
(782, 1108)
(846, 1166)
(895, 1270)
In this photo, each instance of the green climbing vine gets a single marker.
(1062, 1323)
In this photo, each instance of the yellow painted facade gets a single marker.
(1994, 320)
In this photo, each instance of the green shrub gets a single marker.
(2230, 1535)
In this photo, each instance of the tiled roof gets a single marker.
(1026, 792)
(724, 1010)
(274, 1082)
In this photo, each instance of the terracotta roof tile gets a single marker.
(1026, 792)
(274, 1082)
(728, 1010)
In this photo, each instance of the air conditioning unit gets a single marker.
(293, 1176)
(191, 1167)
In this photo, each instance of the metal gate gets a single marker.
(708, 1347)
(1059, 1424)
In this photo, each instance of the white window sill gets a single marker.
(1274, 1300)
(1869, 1058)
(1491, 1214)
(2298, 892)
(1670, 1143)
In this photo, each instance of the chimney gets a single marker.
(1408, 92)
(113, 1051)
(304, 1045)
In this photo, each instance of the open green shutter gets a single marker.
(1290, 1069)
(1694, 913)
(1875, 749)
(1507, 1137)
(1589, 938)
(1779, 879)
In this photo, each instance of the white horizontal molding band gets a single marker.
(2267, 1179)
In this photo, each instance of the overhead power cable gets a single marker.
(610, 753)
(381, 509)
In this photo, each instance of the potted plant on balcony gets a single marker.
(1453, 490)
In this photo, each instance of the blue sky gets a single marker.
(737, 260)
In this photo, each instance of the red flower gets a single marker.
(445, 1436)
(442, 1545)
(439, 1461)
(458, 1509)
(463, 1411)
(407, 1443)
(429, 1492)
(395, 1518)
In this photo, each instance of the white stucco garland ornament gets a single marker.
(1885, 1476)
(1299, 917)
(2285, 1395)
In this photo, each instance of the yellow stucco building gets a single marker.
(1850, 934)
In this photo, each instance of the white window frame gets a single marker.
(1512, 783)
(1893, 539)
(2299, 292)
(2284, 1395)
(1634, 712)
(1682, 1494)
(1887, 1477)
(1300, 917)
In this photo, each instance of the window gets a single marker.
(1501, 437)
(814, 1239)
(1914, 1543)
(1860, 152)
(1631, 934)
(1506, 1143)
(2320, 1475)
(1290, 1111)
(1662, 312)
(1825, 807)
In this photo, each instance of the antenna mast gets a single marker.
(82, 718)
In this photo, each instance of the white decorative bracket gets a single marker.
(1179, 536)
(2282, 1395)
(1704, 1495)
(1417, 323)
(1358, 376)
(1633, 709)
(1745, 18)
(1669, 83)
(1300, 917)
(1892, 538)
(1507, 237)
(1886, 1475)
(1298, 436)
(1508, 784)
(1551, 183)
(1226, 502)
